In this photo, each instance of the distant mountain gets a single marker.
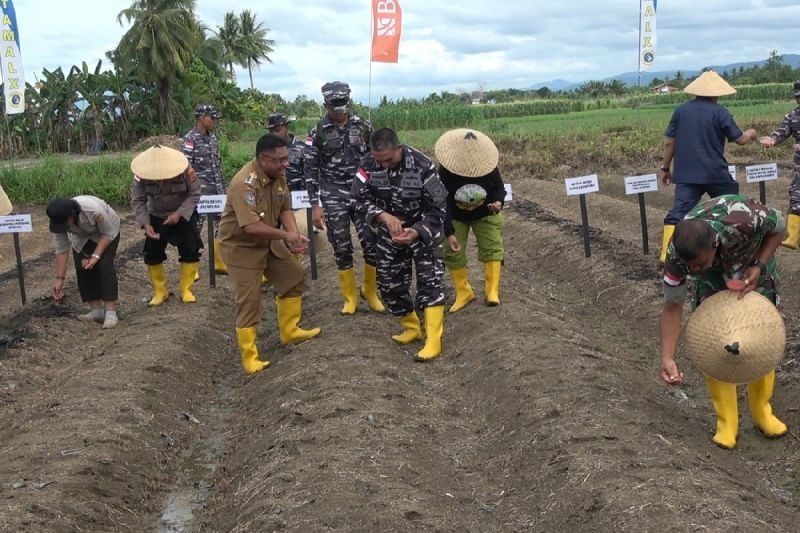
(630, 78)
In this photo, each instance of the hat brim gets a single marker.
(159, 163)
(5, 203)
(466, 152)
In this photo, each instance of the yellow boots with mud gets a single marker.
(434, 327)
(464, 292)
(188, 273)
(759, 393)
(159, 281)
(411, 329)
(491, 272)
(669, 229)
(347, 283)
(725, 402)
(246, 337)
(289, 310)
(219, 264)
(369, 290)
(792, 239)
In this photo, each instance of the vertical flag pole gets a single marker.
(371, 32)
(639, 69)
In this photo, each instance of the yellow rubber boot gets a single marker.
(669, 229)
(369, 290)
(246, 337)
(411, 329)
(188, 272)
(792, 239)
(289, 310)
(759, 393)
(159, 281)
(464, 292)
(219, 264)
(434, 326)
(347, 282)
(491, 271)
(725, 402)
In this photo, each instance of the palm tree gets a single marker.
(230, 36)
(159, 42)
(255, 45)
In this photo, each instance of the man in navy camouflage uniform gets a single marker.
(201, 148)
(790, 127)
(334, 149)
(731, 237)
(278, 124)
(398, 192)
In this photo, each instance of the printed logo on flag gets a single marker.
(386, 29)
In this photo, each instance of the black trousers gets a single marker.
(183, 235)
(99, 283)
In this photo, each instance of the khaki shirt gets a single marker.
(253, 197)
(95, 220)
(163, 197)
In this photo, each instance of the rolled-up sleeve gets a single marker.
(61, 242)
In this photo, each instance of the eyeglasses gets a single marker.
(278, 160)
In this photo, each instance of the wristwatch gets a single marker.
(756, 263)
(96, 256)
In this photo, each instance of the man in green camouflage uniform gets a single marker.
(790, 127)
(731, 237)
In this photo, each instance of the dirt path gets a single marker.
(543, 414)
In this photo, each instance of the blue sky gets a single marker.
(447, 45)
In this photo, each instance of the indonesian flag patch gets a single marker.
(362, 175)
(309, 140)
(188, 144)
(672, 280)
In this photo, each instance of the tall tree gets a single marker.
(160, 42)
(230, 35)
(255, 45)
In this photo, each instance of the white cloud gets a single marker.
(446, 45)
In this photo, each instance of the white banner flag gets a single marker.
(647, 34)
(13, 75)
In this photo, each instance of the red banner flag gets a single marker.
(387, 18)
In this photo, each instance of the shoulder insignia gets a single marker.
(250, 198)
(251, 179)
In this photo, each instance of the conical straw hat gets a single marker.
(5, 203)
(468, 153)
(159, 163)
(724, 325)
(709, 83)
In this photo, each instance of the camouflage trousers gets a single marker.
(338, 216)
(394, 275)
(794, 192)
(712, 282)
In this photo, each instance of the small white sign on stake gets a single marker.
(582, 185)
(732, 171)
(211, 203)
(757, 173)
(16, 224)
(644, 183)
(509, 196)
(300, 200)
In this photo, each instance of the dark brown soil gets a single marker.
(543, 414)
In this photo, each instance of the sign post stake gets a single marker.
(643, 217)
(761, 174)
(580, 187)
(762, 192)
(585, 221)
(20, 272)
(639, 185)
(312, 247)
(212, 274)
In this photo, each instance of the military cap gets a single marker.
(277, 119)
(206, 109)
(796, 88)
(59, 210)
(336, 92)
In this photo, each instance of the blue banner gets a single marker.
(11, 60)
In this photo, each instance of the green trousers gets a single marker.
(489, 234)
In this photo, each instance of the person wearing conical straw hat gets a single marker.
(468, 168)
(90, 227)
(257, 224)
(790, 127)
(695, 140)
(164, 197)
(5, 203)
(726, 242)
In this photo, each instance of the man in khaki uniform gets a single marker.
(164, 198)
(256, 221)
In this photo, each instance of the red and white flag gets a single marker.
(387, 21)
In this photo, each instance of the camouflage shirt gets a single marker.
(332, 156)
(412, 192)
(790, 127)
(294, 172)
(202, 151)
(740, 224)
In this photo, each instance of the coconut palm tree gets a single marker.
(255, 45)
(159, 42)
(230, 36)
